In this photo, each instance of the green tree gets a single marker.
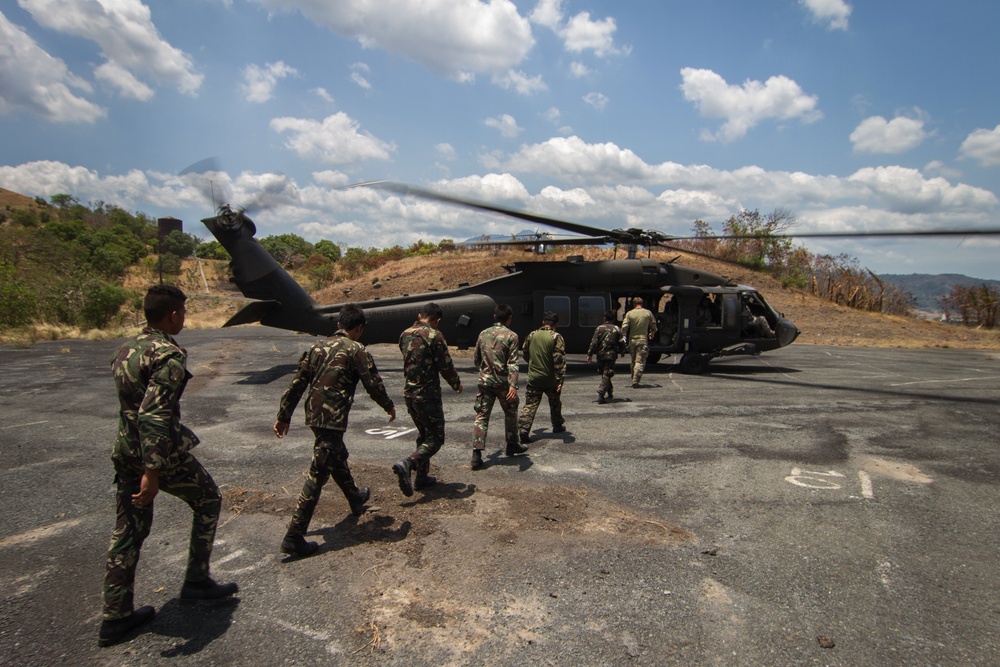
(211, 250)
(18, 303)
(286, 249)
(328, 249)
(101, 301)
(178, 243)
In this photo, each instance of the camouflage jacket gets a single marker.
(545, 352)
(639, 323)
(330, 371)
(150, 374)
(496, 356)
(425, 361)
(606, 342)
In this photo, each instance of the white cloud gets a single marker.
(938, 168)
(445, 151)
(32, 81)
(128, 39)
(877, 135)
(322, 94)
(597, 100)
(260, 81)
(745, 106)
(335, 140)
(358, 78)
(579, 33)
(506, 124)
(578, 69)
(124, 81)
(457, 38)
(834, 13)
(983, 146)
(520, 82)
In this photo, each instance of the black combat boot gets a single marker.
(559, 429)
(358, 502)
(513, 449)
(402, 470)
(477, 459)
(296, 545)
(600, 398)
(112, 632)
(525, 438)
(423, 480)
(207, 590)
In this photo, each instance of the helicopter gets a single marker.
(700, 315)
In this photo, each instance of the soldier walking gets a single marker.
(425, 362)
(496, 358)
(545, 352)
(152, 454)
(638, 329)
(606, 344)
(330, 371)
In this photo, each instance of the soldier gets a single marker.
(330, 371)
(425, 361)
(545, 352)
(638, 329)
(605, 344)
(496, 357)
(152, 454)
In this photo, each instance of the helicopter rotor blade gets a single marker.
(404, 189)
(834, 235)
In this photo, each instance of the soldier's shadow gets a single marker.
(522, 461)
(196, 624)
(351, 532)
(450, 491)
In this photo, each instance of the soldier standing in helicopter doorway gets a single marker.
(638, 329)
(606, 344)
(425, 361)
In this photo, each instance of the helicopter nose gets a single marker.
(787, 332)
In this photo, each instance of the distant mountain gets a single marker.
(928, 289)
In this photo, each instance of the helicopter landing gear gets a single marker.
(692, 363)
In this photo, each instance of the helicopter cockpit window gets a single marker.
(560, 305)
(591, 310)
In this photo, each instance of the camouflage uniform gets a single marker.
(605, 344)
(150, 375)
(545, 352)
(638, 326)
(425, 361)
(496, 357)
(330, 370)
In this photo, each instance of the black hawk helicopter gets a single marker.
(700, 315)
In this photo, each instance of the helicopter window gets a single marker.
(560, 305)
(591, 310)
(732, 311)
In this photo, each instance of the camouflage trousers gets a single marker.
(329, 460)
(606, 367)
(638, 349)
(485, 399)
(427, 413)
(188, 481)
(532, 399)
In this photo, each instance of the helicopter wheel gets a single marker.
(653, 357)
(693, 363)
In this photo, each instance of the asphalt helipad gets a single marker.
(816, 505)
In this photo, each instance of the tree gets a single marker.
(178, 243)
(287, 248)
(211, 250)
(328, 249)
(18, 303)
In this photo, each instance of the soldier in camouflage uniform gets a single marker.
(425, 361)
(152, 454)
(606, 344)
(496, 357)
(545, 352)
(330, 371)
(638, 329)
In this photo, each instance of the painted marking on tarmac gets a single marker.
(4, 428)
(390, 433)
(904, 384)
(866, 485)
(37, 534)
(812, 479)
(233, 556)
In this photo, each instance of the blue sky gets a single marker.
(651, 113)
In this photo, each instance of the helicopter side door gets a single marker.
(579, 314)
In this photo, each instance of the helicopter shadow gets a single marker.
(194, 624)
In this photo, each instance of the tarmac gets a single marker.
(814, 505)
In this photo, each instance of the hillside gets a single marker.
(820, 321)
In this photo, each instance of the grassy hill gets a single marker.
(928, 289)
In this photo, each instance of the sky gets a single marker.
(853, 116)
